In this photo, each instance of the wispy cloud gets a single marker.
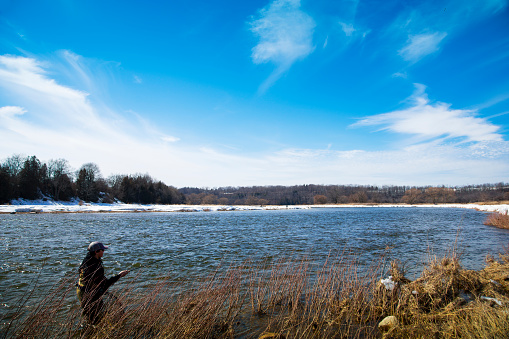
(422, 28)
(169, 138)
(428, 121)
(27, 78)
(9, 112)
(489, 6)
(341, 23)
(54, 120)
(403, 75)
(423, 164)
(285, 35)
(352, 32)
(77, 69)
(48, 119)
(421, 45)
(494, 101)
(348, 29)
(325, 42)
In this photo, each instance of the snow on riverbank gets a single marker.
(40, 206)
(500, 208)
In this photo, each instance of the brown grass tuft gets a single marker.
(499, 220)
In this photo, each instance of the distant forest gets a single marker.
(29, 178)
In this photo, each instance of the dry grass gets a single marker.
(291, 298)
(501, 202)
(499, 220)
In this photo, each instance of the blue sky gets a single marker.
(284, 92)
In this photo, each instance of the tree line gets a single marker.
(29, 178)
(345, 194)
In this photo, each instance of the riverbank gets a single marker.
(40, 206)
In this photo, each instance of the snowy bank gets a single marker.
(49, 206)
(500, 208)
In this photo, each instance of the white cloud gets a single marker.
(8, 112)
(47, 119)
(58, 121)
(27, 78)
(421, 45)
(169, 138)
(423, 164)
(77, 69)
(479, 7)
(429, 121)
(422, 27)
(137, 79)
(494, 101)
(285, 35)
(403, 75)
(348, 29)
(28, 73)
(325, 42)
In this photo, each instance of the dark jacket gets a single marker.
(92, 280)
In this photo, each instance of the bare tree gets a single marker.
(440, 195)
(412, 196)
(209, 199)
(223, 201)
(359, 197)
(320, 199)
(14, 164)
(60, 177)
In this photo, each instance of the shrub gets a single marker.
(320, 199)
(498, 220)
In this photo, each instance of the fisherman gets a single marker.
(93, 284)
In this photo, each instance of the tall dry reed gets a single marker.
(290, 298)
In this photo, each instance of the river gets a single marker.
(43, 248)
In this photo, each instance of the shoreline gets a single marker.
(35, 207)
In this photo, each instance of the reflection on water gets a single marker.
(46, 247)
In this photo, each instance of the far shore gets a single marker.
(40, 206)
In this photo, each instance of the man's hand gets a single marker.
(123, 273)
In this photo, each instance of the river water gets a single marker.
(42, 248)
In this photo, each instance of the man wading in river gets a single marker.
(93, 284)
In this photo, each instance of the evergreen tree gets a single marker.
(5, 186)
(31, 178)
(13, 165)
(86, 182)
